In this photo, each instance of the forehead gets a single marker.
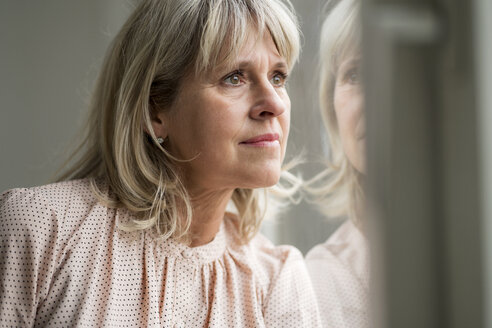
(240, 42)
(244, 54)
(229, 24)
(350, 59)
(249, 47)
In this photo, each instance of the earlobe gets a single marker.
(158, 125)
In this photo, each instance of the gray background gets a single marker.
(50, 53)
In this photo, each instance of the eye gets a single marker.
(352, 76)
(279, 79)
(234, 78)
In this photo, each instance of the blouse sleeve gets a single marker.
(291, 300)
(28, 234)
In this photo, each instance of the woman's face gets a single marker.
(232, 123)
(349, 109)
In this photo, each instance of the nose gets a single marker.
(267, 102)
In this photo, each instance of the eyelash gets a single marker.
(351, 72)
(283, 76)
(236, 72)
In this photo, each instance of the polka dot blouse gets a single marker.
(65, 263)
(339, 269)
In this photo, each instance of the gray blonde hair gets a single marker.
(337, 189)
(158, 44)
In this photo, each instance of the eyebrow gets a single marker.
(349, 64)
(244, 64)
(354, 60)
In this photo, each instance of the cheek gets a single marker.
(284, 121)
(347, 109)
(340, 105)
(216, 131)
(285, 117)
(350, 118)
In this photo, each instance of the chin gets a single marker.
(265, 179)
(269, 179)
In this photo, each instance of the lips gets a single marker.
(264, 139)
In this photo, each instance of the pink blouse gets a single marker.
(64, 263)
(339, 270)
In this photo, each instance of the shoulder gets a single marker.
(343, 257)
(45, 207)
(271, 255)
(55, 194)
(288, 295)
(346, 240)
(36, 225)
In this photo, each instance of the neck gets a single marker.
(208, 214)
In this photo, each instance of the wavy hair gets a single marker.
(337, 189)
(142, 71)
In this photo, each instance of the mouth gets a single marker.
(264, 140)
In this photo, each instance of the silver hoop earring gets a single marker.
(160, 140)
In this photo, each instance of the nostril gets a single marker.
(266, 113)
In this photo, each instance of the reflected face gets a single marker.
(234, 121)
(349, 109)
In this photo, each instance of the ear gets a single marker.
(159, 126)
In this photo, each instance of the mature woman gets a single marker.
(190, 113)
(339, 267)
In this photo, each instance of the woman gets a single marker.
(190, 112)
(340, 267)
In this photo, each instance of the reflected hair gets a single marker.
(160, 42)
(337, 189)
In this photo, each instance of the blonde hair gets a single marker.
(158, 44)
(337, 189)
